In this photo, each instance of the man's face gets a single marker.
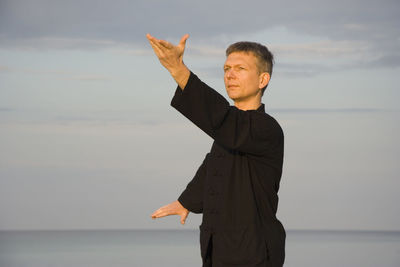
(242, 78)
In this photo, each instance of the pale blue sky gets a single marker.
(85, 109)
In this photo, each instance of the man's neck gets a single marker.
(248, 105)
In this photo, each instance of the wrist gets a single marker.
(181, 75)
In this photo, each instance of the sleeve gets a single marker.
(229, 126)
(192, 197)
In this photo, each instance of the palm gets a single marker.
(174, 208)
(168, 54)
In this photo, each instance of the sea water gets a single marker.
(174, 248)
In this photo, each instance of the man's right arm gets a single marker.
(192, 197)
(251, 132)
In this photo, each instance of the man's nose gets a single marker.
(230, 74)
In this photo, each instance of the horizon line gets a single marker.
(196, 229)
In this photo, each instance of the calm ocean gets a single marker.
(174, 248)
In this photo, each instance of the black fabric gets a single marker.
(237, 183)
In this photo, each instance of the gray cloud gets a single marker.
(301, 70)
(4, 68)
(327, 110)
(386, 61)
(360, 29)
(128, 21)
(5, 109)
(65, 75)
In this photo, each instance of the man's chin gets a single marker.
(233, 96)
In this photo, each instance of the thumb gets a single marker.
(182, 42)
(183, 217)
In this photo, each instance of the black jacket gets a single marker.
(236, 185)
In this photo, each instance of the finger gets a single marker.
(163, 211)
(161, 214)
(150, 37)
(166, 44)
(159, 43)
(183, 39)
(157, 50)
(182, 42)
(155, 214)
(183, 218)
(159, 210)
(153, 41)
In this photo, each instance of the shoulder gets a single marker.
(267, 125)
(275, 123)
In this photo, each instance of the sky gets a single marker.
(85, 109)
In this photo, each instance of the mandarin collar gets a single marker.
(261, 108)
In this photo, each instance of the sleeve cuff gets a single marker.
(195, 208)
(179, 93)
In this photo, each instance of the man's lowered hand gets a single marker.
(174, 208)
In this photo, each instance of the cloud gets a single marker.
(4, 68)
(110, 116)
(128, 21)
(327, 48)
(301, 69)
(106, 120)
(385, 61)
(50, 42)
(354, 29)
(60, 74)
(207, 50)
(326, 110)
(5, 109)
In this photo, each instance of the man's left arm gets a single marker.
(192, 197)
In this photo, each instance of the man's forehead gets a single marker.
(240, 57)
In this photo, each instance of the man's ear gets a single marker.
(264, 79)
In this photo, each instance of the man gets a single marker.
(236, 185)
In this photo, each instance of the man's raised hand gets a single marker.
(171, 57)
(174, 208)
